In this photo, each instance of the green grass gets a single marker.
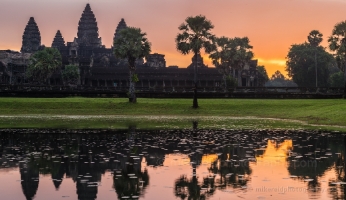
(328, 112)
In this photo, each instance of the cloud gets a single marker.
(279, 62)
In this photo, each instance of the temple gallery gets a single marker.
(99, 67)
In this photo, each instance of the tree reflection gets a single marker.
(337, 186)
(312, 157)
(234, 173)
(192, 189)
(85, 157)
(130, 182)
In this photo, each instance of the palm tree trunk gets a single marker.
(195, 102)
(132, 90)
(345, 82)
(316, 66)
(225, 81)
(344, 157)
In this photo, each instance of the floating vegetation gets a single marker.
(155, 122)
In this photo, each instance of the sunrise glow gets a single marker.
(271, 26)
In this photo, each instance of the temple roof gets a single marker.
(31, 37)
(199, 62)
(58, 40)
(87, 29)
(122, 25)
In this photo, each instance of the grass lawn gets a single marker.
(55, 112)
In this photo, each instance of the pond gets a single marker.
(171, 164)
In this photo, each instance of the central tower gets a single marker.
(88, 34)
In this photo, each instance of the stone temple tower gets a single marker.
(58, 41)
(31, 38)
(88, 34)
(122, 25)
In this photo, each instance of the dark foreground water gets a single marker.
(185, 164)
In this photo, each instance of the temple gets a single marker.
(122, 25)
(88, 32)
(58, 40)
(31, 38)
(99, 67)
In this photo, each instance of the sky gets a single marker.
(271, 25)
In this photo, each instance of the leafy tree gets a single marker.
(301, 64)
(333, 68)
(315, 38)
(196, 34)
(242, 53)
(231, 53)
(70, 74)
(132, 44)
(277, 75)
(43, 64)
(336, 79)
(221, 57)
(263, 72)
(337, 43)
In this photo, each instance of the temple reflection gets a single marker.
(228, 158)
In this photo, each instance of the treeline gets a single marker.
(309, 64)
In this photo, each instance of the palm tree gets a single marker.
(43, 64)
(132, 45)
(337, 43)
(315, 38)
(195, 36)
(231, 53)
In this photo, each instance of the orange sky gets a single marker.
(271, 25)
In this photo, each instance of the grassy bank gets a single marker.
(309, 111)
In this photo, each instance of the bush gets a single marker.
(337, 80)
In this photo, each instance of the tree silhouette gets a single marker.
(196, 34)
(231, 54)
(337, 44)
(132, 45)
(315, 38)
(43, 64)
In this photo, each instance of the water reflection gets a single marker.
(184, 164)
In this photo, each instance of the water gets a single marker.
(177, 164)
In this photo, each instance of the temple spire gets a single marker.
(122, 25)
(199, 61)
(58, 40)
(31, 38)
(88, 34)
